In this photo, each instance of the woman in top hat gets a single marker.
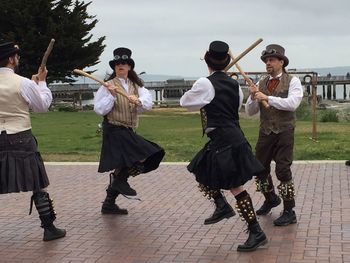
(124, 151)
(226, 161)
(284, 93)
(21, 166)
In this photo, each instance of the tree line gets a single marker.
(32, 23)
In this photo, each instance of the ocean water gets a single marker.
(339, 90)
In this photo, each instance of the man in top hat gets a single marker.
(124, 151)
(22, 168)
(283, 93)
(226, 161)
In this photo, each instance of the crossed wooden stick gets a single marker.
(235, 60)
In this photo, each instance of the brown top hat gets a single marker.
(217, 56)
(275, 51)
(8, 49)
(122, 54)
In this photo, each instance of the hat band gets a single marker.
(217, 61)
(117, 57)
(269, 52)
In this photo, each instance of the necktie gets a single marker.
(272, 84)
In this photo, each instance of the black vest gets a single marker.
(222, 111)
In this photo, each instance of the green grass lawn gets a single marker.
(71, 136)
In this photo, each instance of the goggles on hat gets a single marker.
(117, 57)
(269, 52)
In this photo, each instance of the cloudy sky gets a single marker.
(171, 36)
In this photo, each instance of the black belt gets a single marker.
(22, 133)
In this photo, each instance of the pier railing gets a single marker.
(171, 90)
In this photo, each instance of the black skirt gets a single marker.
(122, 147)
(226, 161)
(21, 166)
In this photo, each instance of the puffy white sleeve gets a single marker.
(104, 101)
(292, 102)
(201, 94)
(38, 96)
(145, 97)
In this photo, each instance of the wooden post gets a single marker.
(308, 90)
(314, 102)
(329, 92)
(344, 92)
(156, 91)
(323, 92)
(80, 101)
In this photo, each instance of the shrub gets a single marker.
(328, 116)
(88, 107)
(67, 108)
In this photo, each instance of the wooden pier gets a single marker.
(170, 91)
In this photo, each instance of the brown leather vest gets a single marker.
(272, 119)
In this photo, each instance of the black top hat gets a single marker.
(8, 49)
(275, 51)
(217, 56)
(122, 54)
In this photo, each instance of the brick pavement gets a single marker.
(167, 225)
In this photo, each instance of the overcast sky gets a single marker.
(171, 36)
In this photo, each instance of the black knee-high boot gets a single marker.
(47, 215)
(120, 183)
(256, 236)
(222, 207)
(222, 210)
(109, 206)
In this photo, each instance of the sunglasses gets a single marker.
(117, 57)
(268, 52)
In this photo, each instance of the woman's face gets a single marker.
(122, 69)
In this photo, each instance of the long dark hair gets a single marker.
(132, 75)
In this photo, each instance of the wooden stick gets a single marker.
(46, 54)
(245, 52)
(83, 73)
(246, 78)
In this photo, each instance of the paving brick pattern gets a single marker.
(167, 224)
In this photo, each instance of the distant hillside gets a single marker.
(335, 71)
(158, 77)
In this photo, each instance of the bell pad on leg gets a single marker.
(245, 209)
(207, 192)
(286, 190)
(264, 185)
